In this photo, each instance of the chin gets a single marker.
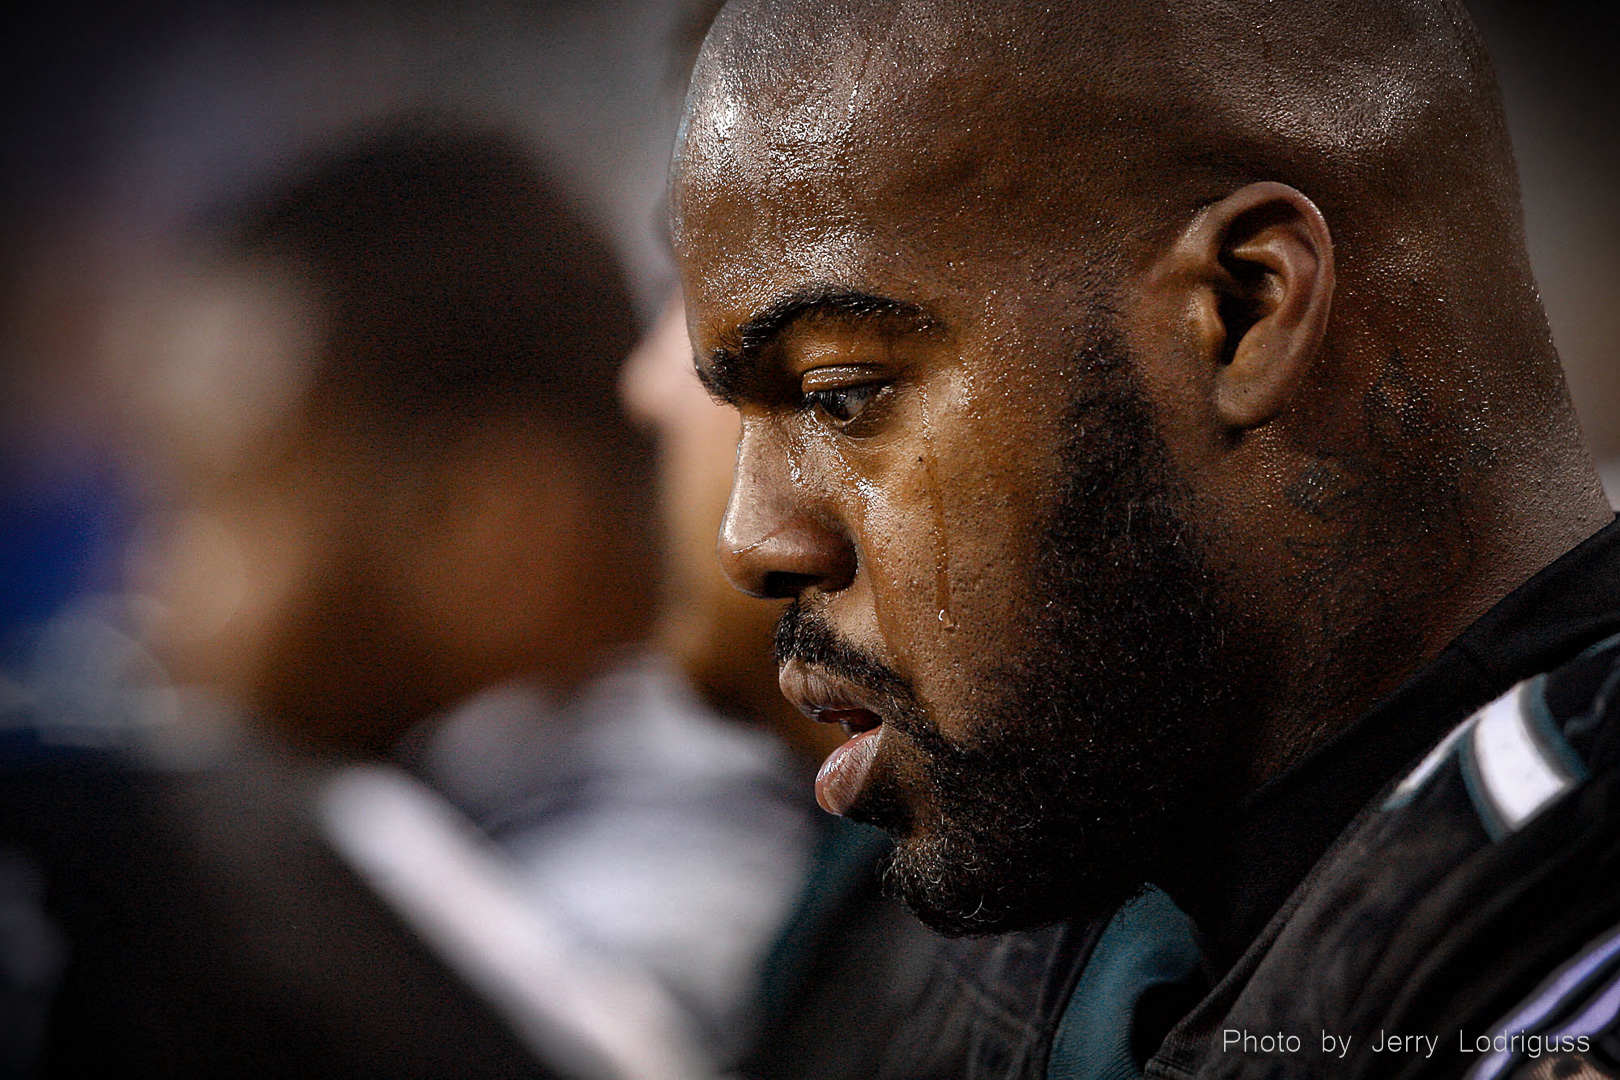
(958, 895)
(987, 863)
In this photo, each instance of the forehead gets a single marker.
(801, 168)
(891, 160)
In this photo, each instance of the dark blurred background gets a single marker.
(119, 121)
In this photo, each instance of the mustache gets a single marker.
(806, 636)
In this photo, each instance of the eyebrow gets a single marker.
(737, 366)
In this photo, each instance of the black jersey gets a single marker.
(1467, 921)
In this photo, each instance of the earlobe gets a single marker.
(1262, 263)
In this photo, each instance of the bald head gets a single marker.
(1100, 127)
(1185, 100)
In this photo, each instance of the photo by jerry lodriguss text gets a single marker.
(1243, 1041)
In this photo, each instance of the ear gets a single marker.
(1259, 268)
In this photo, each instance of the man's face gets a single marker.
(945, 459)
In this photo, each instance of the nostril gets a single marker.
(783, 585)
(780, 555)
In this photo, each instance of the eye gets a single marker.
(852, 399)
(843, 404)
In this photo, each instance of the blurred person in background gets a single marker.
(401, 516)
(385, 460)
(419, 509)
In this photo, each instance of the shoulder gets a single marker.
(1569, 1024)
(1492, 862)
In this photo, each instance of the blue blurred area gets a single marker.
(66, 662)
(62, 534)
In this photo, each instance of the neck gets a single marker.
(1401, 577)
(1226, 876)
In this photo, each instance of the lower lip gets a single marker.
(844, 773)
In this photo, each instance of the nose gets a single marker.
(775, 542)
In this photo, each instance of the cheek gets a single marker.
(948, 534)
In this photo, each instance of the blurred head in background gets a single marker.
(392, 468)
(719, 637)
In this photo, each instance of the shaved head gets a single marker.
(1185, 98)
(1139, 389)
(1098, 128)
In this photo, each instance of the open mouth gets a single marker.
(830, 700)
(853, 721)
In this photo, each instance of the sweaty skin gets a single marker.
(1047, 327)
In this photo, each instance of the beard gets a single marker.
(1112, 732)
